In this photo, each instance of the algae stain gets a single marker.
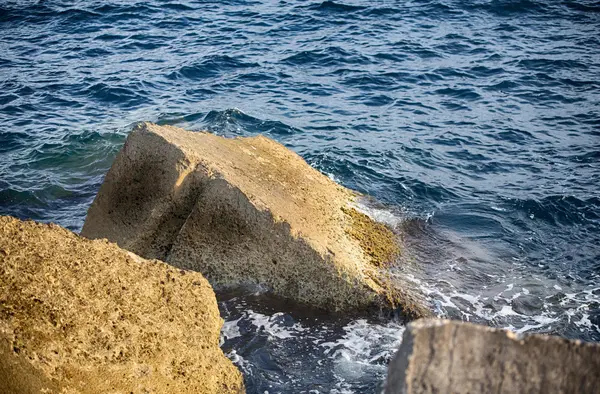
(376, 239)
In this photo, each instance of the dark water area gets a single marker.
(475, 124)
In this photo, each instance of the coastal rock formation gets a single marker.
(442, 356)
(246, 211)
(81, 316)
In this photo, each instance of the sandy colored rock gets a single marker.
(246, 211)
(81, 316)
(442, 356)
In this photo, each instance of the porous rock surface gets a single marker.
(246, 211)
(81, 316)
(442, 356)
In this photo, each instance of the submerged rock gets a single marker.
(81, 316)
(442, 356)
(246, 211)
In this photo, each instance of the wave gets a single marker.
(585, 6)
(466, 94)
(234, 119)
(332, 6)
(230, 122)
(561, 210)
(330, 56)
(509, 8)
(118, 95)
(210, 67)
(545, 64)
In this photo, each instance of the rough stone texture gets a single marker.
(245, 211)
(442, 356)
(81, 316)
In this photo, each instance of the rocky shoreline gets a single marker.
(87, 314)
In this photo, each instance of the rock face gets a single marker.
(441, 356)
(81, 316)
(245, 211)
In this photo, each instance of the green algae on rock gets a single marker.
(82, 316)
(245, 211)
(375, 238)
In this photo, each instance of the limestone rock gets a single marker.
(246, 211)
(81, 316)
(442, 356)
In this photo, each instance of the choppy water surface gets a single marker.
(476, 124)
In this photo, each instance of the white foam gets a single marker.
(364, 348)
(543, 321)
(429, 216)
(230, 330)
(333, 177)
(380, 215)
(238, 360)
(361, 350)
(506, 310)
(477, 307)
(272, 325)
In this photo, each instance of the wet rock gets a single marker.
(442, 356)
(246, 211)
(81, 316)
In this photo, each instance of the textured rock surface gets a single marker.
(245, 211)
(442, 356)
(81, 316)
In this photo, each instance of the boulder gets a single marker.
(81, 316)
(442, 356)
(246, 211)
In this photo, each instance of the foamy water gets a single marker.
(293, 352)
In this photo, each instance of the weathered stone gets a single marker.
(81, 316)
(442, 356)
(246, 211)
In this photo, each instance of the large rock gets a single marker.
(246, 211)
(81, 316)
(442, 356)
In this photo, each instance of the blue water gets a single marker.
(475, 124)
